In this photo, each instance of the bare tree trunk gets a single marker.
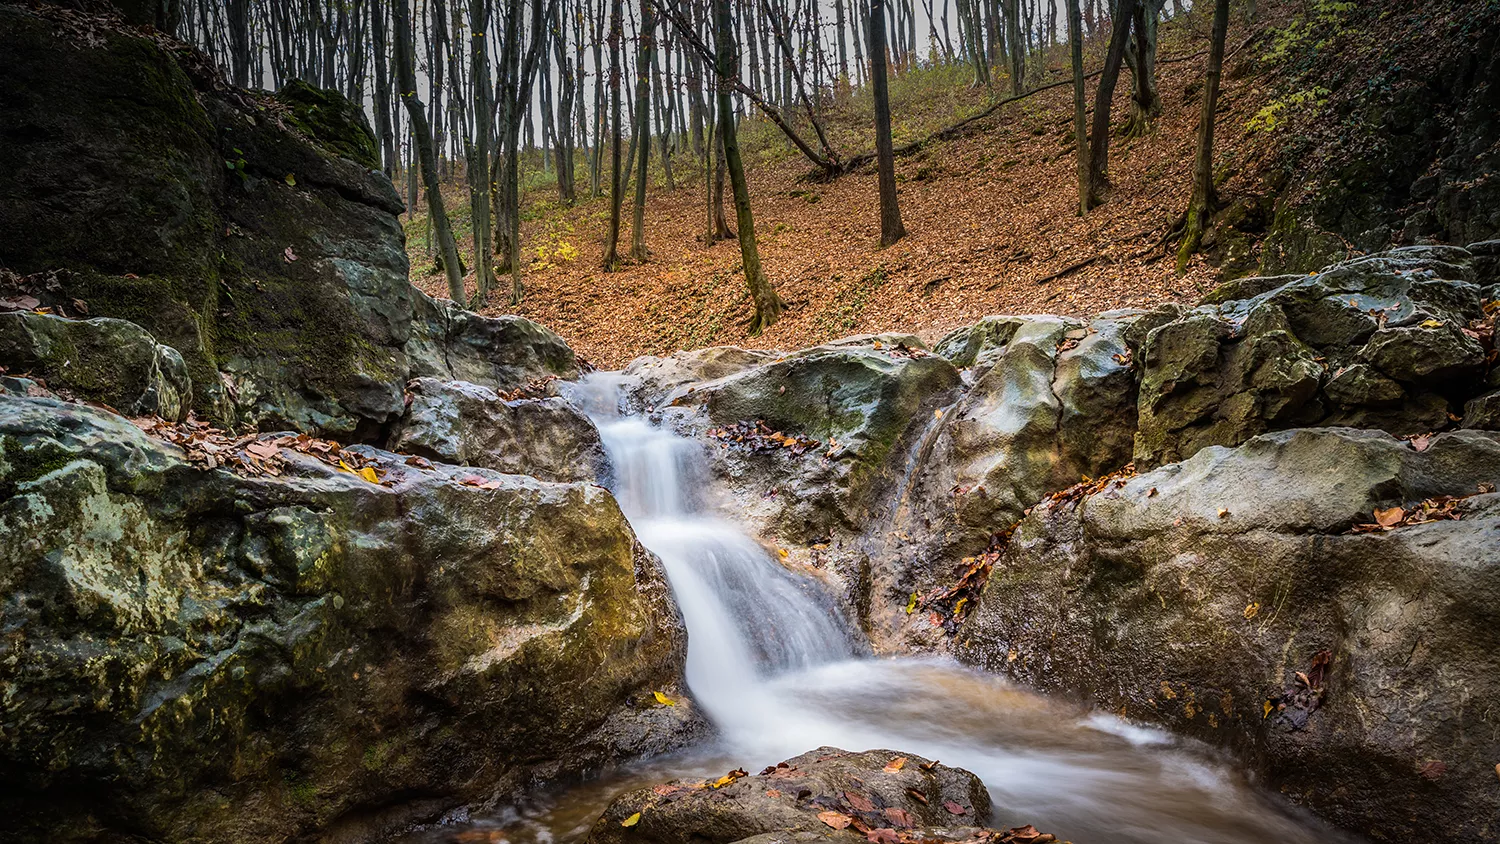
(891, 229)
(1103, 99)
(422, 133)
(721, 228)
(1201, 207)
(767, 303)
(1080, 104)
(477, 157)
(616, 189)
(644, 59)
(566, 91)
(1145, 99)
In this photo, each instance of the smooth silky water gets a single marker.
(778, 670)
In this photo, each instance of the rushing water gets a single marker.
(779, 672)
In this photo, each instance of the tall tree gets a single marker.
(422, 134)
(645, 55)
(1200, 208)
(1145, 98)
(767, 303)
(1080, 126)
(1099, 186)
(616, 178)
(477, 156)
(891, 229)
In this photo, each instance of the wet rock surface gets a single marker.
(200, 655)
(826, 794)
(1253, 597)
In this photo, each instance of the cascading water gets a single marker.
(773, 664)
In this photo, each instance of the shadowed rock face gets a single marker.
(789, 798)
(246, 231)
(1194, 595)
(196, 655)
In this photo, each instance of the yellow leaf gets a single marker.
(959, 607)
(937, 414)
(291, 180)
(632, 820)
(1432, 323)
(783, 553)
(346, 468)
(1252, 609)
(368, 473)
(894, 765)
(911, 605)
(664, 700)
(879, 345)
(1265, 711)
(1223, 512)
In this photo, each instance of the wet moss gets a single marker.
(331, 120)
(22, 465)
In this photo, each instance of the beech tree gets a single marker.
(616, 186)
(644, 58)
(1080, 128)
(1099, 186)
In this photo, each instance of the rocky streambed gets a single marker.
(289, 550)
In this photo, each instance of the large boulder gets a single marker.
(1253, 598)
(110, 361)
(1379, 342)
(819, 792)
(195, 654)
(459, 422)
(502, 353)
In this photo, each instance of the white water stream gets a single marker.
(776, 668)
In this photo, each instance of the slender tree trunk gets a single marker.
(477, 158)
(1080, 105)
(1099, 186)
(721, 228)
(767, 303)
(616, 188)
(1201, 207)
(644, 59)
(891, 229)
(1145, 99)
(422, 133)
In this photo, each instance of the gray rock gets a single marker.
(109, 361)
(789, 797)
(1193, 595)
(501, 353)
(463, 423)
(253, 659)
(1483, 412)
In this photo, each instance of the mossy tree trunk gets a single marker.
(1201, 207)
(891, 229)
(767, 303)
(426, 157)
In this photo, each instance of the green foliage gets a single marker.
(1319, 22)
(1279, 112)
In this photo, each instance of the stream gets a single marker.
(778, 670)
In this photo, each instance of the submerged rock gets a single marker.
(825, 794)
(192, 654)
(1227, 598)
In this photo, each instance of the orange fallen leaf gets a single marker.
(954, 808)
(837, 820)
(1389, 517)
(894, 765)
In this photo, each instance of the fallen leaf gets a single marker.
(954, 808)
(882, 835)
(899, 817)
(265, 450)
(289, 255)
(1252, 609)
(929, 765)
(1432, 323)
(782, 553)
(291, 180)
(1421, 443)
(728, 778)
(837, 820)
(911, 604)
(1389, 517)
(894, 765)
(860, 802)
(1265, 712)
(937, 414)
(1223, 512)
(663, 699)
(368, 473)
(632, 820)
(922, 798)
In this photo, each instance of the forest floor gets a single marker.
(991, 221)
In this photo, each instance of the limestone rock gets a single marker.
(1193, 596)
(196, 655)
(501, 353)
(463, 423)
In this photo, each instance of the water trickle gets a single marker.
(777, 669)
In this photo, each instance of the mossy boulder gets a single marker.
(1377, 342)
(261, 252)
(1227, 598)
(502, 353)
(197, 655)
(102, 360)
